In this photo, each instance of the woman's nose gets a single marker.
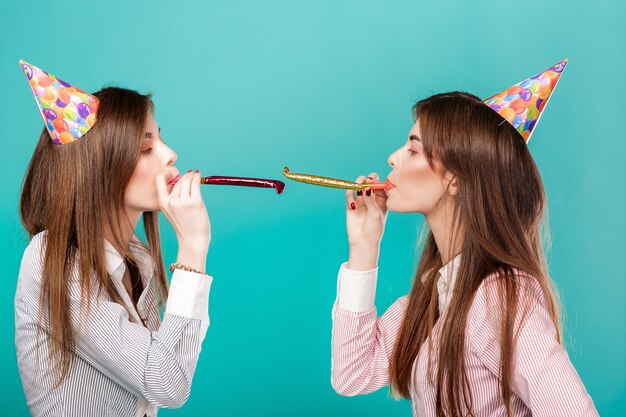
(392, 160)
(172, 157)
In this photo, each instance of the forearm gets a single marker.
(361, 342)
(359, 366)
(156, 365)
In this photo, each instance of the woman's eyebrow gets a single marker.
(415, 137)
(148, 135)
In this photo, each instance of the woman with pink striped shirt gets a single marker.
(479, 332)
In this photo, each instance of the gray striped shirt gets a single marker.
(121, 367)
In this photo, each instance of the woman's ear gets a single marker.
(451, 183)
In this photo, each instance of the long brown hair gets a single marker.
(75, 192)
(499, 206)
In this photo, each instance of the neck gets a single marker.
(448, 237)
(128, 229)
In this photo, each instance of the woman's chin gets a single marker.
(396, 205)
(392, 205)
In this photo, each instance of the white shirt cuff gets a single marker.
(189, 295)
(356, 290)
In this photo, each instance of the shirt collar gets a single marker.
(446, 280)
(112, 257)
(115, 261)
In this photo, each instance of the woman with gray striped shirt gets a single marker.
(89, 337)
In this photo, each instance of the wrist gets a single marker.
(363, 258)
(364, 248)
(177, 265)
(198, 243)
(192, 257)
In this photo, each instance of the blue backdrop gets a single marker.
(245, 88)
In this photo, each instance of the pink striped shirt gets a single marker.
(544, 382)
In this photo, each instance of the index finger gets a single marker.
(373, 177)
(195, 184)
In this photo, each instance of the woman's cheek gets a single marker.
(141, 168)
(143, 175)
(416, 174)
(141, 185)
(420, 187)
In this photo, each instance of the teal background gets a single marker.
(245, 88)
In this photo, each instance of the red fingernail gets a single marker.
(368, 191)
(352, 206)
(188, 171)
(197, 170)
(359, 193)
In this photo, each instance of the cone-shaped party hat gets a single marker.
(68, 112)
(522, 104)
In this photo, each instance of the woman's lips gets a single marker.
(389, 185)
(174, 180)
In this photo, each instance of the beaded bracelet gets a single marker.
(177, 265)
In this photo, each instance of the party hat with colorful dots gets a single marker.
(68, 112)
(522, 104)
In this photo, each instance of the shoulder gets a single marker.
(520, 320)
(38, 241)
(396, 312)
(493, 290)
(31, 267)
(400, 304)
(35, 251)
(494, 300)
